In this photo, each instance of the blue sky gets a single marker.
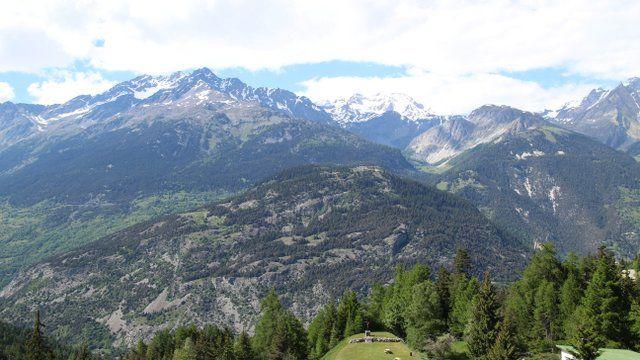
(450, 55)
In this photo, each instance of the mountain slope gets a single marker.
(457, 134)
(310, 232)
(612, 117)
(550, 184)
(101, 163)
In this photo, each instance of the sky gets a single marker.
(452, 56)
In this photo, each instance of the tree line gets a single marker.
(589, 302)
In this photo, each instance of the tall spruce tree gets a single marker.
(505, 347)
(242, 347)
(425, 318)
(586, 339)
(36, 346)
(271, 314)
(462, 263)
(443, 287)
(482, 326)
(604, 301)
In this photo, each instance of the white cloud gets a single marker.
(63, 85)
(592, 38)
(450, 94)
(6, 92)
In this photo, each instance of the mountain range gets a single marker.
(188, 195)
(151, 146)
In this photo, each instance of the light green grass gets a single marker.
(459, 350)
(369, 351)
(609, 354)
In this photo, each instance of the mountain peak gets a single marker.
(362, 108)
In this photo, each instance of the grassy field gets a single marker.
(369, 351)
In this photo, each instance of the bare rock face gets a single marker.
(457, 134)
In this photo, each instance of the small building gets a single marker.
(568, 353)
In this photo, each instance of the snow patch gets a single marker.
(554, 194)
(525, 155)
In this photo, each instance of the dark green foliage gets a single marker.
(192, 343)
(586, 339)
(604, 303)
(463, 290)
(505, 346)
(278, 334)
(424, 315)
(482, 327)
(462, 262)
(36, 346)
(242, 347)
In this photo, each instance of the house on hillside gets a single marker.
(567, 353)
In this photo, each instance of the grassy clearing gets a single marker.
(370, 351)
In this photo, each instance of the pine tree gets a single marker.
(586, 340)
(603, 301)
(481, 330)
(186, 352)
(288, 341)
(81, 353)
(271, 314)
(505, 347)
(461, 262)
(375, 308)
(463, 291)
(570, 296)
(36, 347)
(242, 347)
(443, 287)
(546, 312)
(424, 316)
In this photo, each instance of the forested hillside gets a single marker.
(553, 185)
(589, 302)
(310, 232)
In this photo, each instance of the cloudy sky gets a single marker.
(450, 55)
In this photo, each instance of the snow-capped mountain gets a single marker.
(361, 108)
(610, 116)
(199, 87)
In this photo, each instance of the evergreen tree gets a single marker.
(443, 287)
(271, 314)
(242, 347)
(375, 308)
(604, 302)
(36, 347)
(81, 353)
(546, 313)
(586, 340)
(288, 341)
(461, 263)
(570, 296)
(462, 292)
(505, 347)
(481, 330)
(186, 352)
(162, 346)
(424, 316)
(278, 334)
